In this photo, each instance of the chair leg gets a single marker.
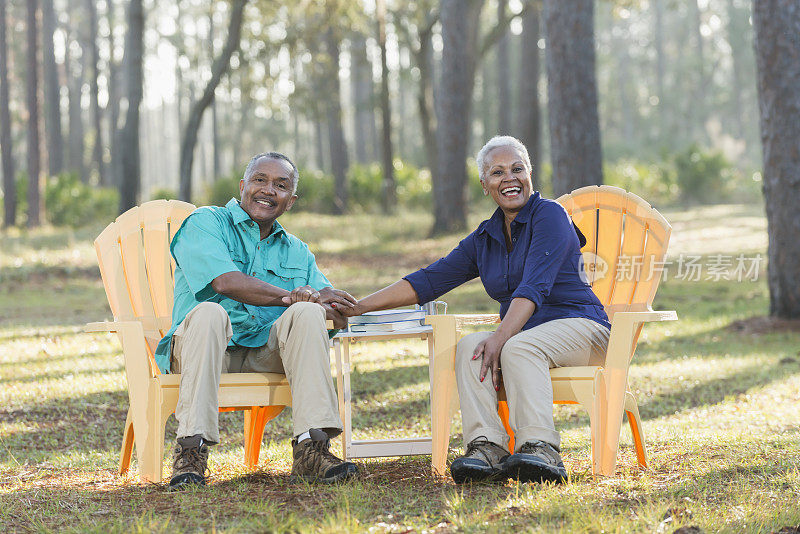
(150, 442)
(126, 451)
(632, 409)
(597, 416)
(260, 416)
(612, 420)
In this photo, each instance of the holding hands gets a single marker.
(337, 303)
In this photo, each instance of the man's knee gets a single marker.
(307, 311)
(209, 315)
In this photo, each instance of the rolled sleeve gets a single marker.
(553, 240)
(201, 253)
(458, 267)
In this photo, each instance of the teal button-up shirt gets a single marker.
(214, 240)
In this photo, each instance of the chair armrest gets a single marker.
(625, 328)
(476, 319)
(643, 317)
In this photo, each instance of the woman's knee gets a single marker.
(466, 347)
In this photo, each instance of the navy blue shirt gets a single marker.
(543, 265)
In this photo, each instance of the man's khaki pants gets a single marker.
(297, 347)
(525, 361)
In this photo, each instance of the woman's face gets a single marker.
(507, 178)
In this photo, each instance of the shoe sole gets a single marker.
(311, 479)
(465, 476)
(534, 472)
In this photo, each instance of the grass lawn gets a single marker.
(718, 395)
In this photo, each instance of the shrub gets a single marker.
(70, 202)
(221, 191)
(703, 175)
(653, 182)
(163, 193)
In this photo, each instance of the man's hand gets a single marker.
(338, 299)
(339, 320)
(489, 349)
(302, 294)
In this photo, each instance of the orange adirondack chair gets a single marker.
(137, 270)
(619, 227)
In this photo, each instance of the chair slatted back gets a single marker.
(137, 267)
(626, 243)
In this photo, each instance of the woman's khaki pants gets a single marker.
(525, 361)
(297, 347)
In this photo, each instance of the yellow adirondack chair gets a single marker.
(137, 271)
(619, 227)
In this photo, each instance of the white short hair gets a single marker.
(501, 141)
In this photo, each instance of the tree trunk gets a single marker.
(528, 114)
(220, 67)
(128, 135)
(9, 184)
(113, 97)
(459, 20)
(698, 98)
(52, 96)
(503, 75)
(737, 26)
(75, 139)
(97, 150)
(34, 153)
(427, 114)
(338, 145)
(363, 101)
(572, 95)
(777, 27)
(214, 119)
(389, 193)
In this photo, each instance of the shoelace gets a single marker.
(321, 451)
(476, 446)
(192, 458)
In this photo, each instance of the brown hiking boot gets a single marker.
(189, 463)
(537, 461)
(482, 462)
(314, 462)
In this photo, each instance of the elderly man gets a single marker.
(249, 297)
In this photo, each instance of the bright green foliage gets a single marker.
(70, 202)
(702, 175)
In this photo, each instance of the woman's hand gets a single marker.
(339, 320)
(489, 349)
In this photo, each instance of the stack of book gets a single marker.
(387, 321)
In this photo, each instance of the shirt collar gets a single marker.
(240, 216)
(494, 225)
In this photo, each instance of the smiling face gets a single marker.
(507, 179)
(267, 192)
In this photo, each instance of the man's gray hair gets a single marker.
(500, 141)
(275, 155)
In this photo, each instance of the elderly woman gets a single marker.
(528, 257)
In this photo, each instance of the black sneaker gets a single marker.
(536, 461)
(482, 462)
(314, 462)
(189, 463)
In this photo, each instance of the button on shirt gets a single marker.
(216, 240)
(543, 265)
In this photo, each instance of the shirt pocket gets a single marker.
(291, 272)
(240, 260)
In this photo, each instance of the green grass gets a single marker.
(719, 405)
